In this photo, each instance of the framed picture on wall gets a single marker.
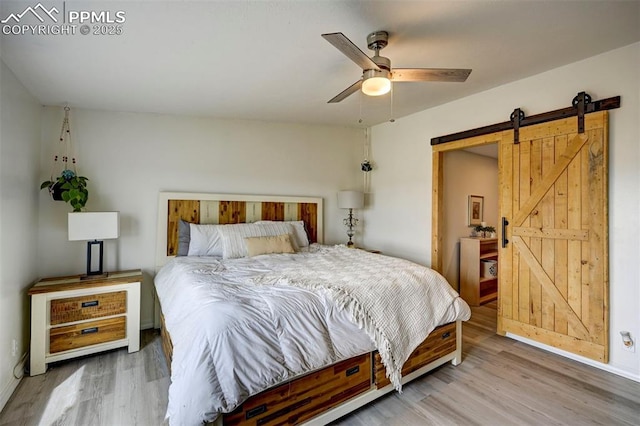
(476, 208)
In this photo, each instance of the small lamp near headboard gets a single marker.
(350, 200)
(92, 227)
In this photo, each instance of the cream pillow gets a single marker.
(299, 233)
(232, 236)
(268, 245)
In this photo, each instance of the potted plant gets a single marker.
(70, 188)
(483, 231)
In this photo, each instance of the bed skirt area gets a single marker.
(334, 391)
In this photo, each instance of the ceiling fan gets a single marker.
(377, 72)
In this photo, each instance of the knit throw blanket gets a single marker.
(397, 302)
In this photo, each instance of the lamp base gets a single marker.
(99, 246)
(351, 244)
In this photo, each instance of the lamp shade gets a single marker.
(350, 200)
(94, 226)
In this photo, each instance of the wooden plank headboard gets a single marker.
(230, 208)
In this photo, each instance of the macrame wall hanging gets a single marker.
(64, 154)
(65, 184)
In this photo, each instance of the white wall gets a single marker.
(399, 221)
(19, 167)
(465, 174)
(130, 157)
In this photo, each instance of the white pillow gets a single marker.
(205, 240)
(232, 236)
(299, 233)
(268, 245)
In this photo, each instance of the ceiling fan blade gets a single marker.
(346, 46)
(346, 92)
(430, 74)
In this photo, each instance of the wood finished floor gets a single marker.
(500, 382)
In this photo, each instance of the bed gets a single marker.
(263, 324)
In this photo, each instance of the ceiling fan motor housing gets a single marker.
(377, 40)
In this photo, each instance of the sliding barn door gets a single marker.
(553, 274)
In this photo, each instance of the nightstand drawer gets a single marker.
(86, 307)
(86, 334)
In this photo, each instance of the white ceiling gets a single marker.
(265, 60)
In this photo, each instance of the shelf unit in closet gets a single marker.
(477, 287)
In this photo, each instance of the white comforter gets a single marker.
(243, 325)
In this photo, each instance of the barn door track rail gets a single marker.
(580, 105)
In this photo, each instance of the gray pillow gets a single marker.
(184, 237)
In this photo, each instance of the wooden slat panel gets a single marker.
(574, 250)
(535, 292)
(308, 213)
(188, 210)
(253, 212)
(505, 270)
(273, 211)
(440, 342)
(546, 207)
(437, 209)
(560, 245)
(522, 172)
(209, 211)
(301, 399)
(598, 261)
(232, 212)
(86, 334)
(167, 344)
(290, 211)
(553, 233)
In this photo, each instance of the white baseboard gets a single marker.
(147, 325)
(11, 385)
(592, 363)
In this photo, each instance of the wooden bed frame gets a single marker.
(320, 396)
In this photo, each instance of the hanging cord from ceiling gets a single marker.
(366, 166)
(391, 119)
(65, 148)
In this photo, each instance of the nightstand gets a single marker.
(72, 317)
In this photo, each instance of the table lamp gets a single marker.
(94, 227)
(350, 200)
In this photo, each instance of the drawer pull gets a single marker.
(90, 304)
(353, 370)
(446, 335)
(256, 411)
(89, 330)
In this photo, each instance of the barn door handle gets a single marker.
(505, 222)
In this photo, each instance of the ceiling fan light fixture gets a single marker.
(376, 82)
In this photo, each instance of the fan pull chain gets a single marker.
(392, 119)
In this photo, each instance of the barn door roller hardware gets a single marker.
(581, 105)
(516, 118)
(580, 102)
